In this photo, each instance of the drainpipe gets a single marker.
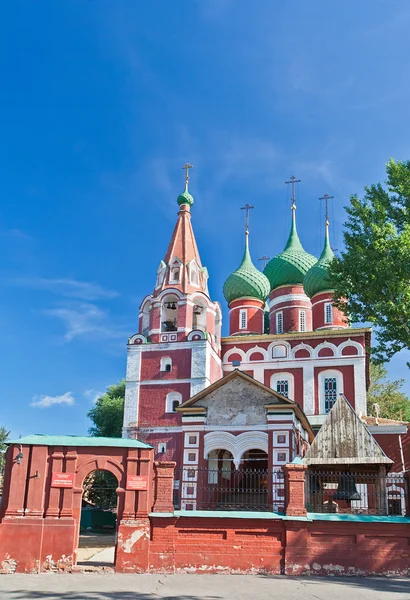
(402, 455)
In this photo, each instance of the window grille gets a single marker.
(328, 313)
(243, 319)
(302, 320)
(279, 322)
(330, 384)
(282, 387)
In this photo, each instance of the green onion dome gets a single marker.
(316, 279)
(247, 281)
(290, 266)
(185, 197)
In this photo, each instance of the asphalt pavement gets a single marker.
(95, 586)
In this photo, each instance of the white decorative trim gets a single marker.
(302, 346)
(253, 350)
(288, 298)
(325, 345)
(350, 342)
(137, 336)
(237, 445)
(164, 362)
(291, 382)
(278, 343)
(234, 350)
(196, 333)
(169, 292)
(309, 389)
(170, 399)
(339, 386)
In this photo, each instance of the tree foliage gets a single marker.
(393, 403)
(372, 278)
(107, 414)
(100, 489)
(4, 435)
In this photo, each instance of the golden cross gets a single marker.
(265, 260)
(186, 167)
(326, 198)
(247, 208)
(293, 180)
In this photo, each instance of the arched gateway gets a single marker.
(43, 496)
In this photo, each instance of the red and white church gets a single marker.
(263, 391)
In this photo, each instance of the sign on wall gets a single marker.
(62, 480)
(137, 482)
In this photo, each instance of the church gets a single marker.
(258, 396)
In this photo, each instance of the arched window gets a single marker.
(279, 322)
(330, 386)
(199, 315)
(173, 400)
(283, 383)
(166, 364)
(169, 318)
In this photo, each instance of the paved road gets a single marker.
(198, 587)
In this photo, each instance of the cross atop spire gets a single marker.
(292, 181)
(326, 198)
(247, 208)
(265, 259)
(186, 166)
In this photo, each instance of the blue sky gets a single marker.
(101, 103)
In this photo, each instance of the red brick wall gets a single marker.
(181, 365)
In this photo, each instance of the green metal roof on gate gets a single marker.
(39, 439)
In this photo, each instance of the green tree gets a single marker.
(372, 278)
(4, 435)
(393, 403)
(107, 414)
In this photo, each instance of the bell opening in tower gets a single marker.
(169, 320)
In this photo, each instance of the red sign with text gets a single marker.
(62, 480)
(137, 482)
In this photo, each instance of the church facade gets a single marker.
(259, 393)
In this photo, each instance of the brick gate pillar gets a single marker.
(134, 531)
(164, 487)
(295, 489)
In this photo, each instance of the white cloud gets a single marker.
(71, 288)
(47, 401)
(93, 395)
(84, 319)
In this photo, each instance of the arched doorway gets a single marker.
(98, 522)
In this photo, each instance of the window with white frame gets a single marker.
(282, 387)
(279, 322)
(161, 273)
(283, 383)
(173, 400)
(302, 320)
(243, 318)
(329, 392)
(330, 386)
(328, 313)
(166, 364)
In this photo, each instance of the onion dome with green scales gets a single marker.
(185, 198)
(247, 281)
(290, 266)
(316, 279)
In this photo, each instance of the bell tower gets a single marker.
(176, 351)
